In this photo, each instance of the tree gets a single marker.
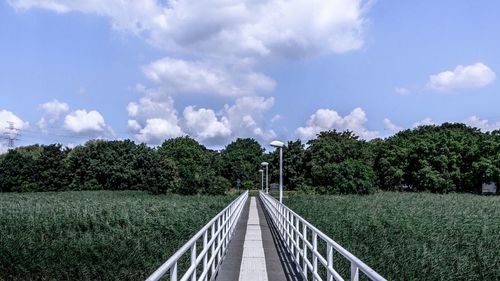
(158, 175)
(193, 162)
(16, 172)
(338, 162)
(294, 165)
(241, 160)
(433, 158)
(103, 164)
(51, 173)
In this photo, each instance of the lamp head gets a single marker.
(277, 144)
(261, 170)
(264, 163)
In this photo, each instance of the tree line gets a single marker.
(451, 157)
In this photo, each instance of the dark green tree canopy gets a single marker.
(241, 160)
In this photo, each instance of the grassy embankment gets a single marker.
(412, 236)
(96, 235)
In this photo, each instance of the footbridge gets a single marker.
(260, 239)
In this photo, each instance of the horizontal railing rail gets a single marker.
(213, 239)
(294, 231)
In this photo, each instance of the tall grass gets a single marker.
(412, 236)
(96, 235)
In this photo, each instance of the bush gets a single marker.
(219, 186)
(350, 177)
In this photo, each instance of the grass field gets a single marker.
(412, 236)
(96, 235)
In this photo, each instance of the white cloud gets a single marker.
(180, 76)
(224, 39)
(276, 118)
(393, 128)
(424, 122)
(153, 118)
(476, 75)
(483, 124)
(402, 91)
(6, 117)
(52, 113)
(246, 117)
(81, 121)
(204, 125)
(327, 119)
(292, 28)
(157, 130)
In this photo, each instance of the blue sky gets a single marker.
(216, 70)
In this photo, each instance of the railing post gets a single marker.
(329, 260)
(304, 245)
(213, 248)
(297, 237)
(193, 261)
(288, 228)
(354, 272)
(173, 273)
(205, 257)
(219, 240)
(315, 249)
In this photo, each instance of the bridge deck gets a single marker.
(255, 252)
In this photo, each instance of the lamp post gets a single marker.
(265, 164)
(261, 179)
(280, 145)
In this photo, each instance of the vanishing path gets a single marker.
(255, 253)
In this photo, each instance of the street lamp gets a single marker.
(265, 164)
(261, 179)
(280, 145)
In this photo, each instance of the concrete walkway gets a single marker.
(255, 252)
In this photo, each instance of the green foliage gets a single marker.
(294, 165)
(51, 172)
(441, 159)
(241, 160)
(340, 163)
(433, 158)
(17, 172)
(193, 162)
(96, 235)
(249, 185)
(219, 186)
(411, 236)
(350, 177)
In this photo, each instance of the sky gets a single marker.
(216, 70)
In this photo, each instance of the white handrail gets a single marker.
(215, 237)
(293, 230)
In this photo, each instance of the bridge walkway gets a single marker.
(256, 253)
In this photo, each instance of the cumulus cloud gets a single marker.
(328, 119)
(483, 124)
(52, 112)
(82, 121)
(476, 75)
(293, 28)
(391, 127)
(246, 117)
(204, 125)
(226, 40)
(153, 119)
(181, 76)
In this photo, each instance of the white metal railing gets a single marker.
(293, 230)
(215, 237)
